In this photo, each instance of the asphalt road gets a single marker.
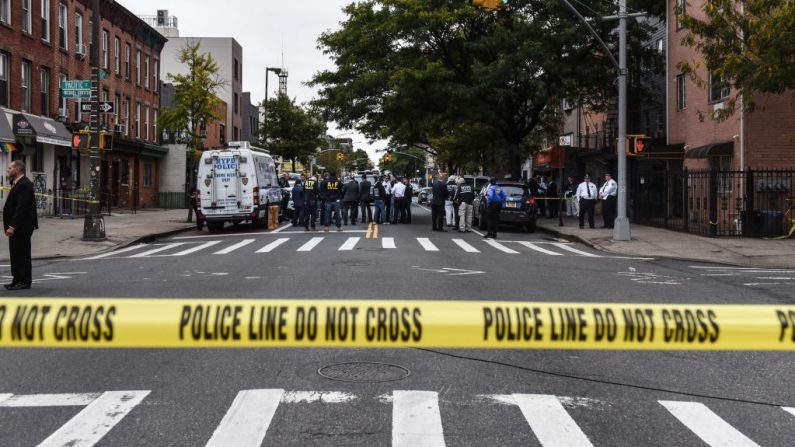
(410, 396)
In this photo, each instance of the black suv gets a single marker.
(519, 209)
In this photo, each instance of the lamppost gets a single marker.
(265, 104)
(94, 224)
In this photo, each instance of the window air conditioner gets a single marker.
(80, 51)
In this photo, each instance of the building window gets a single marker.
(146, 72)
(146, 123)
(681, 93)
(116, 50)
(156, 75)
(235, 106)
(222, 133)
(127, 61)
(37, 159)
(147, 175)
(718, 88)
(4, 94)
(45, 91)
(236, 70)
(63, 34)
(680, 12)
(137, 120)
(105, 50)
(78, 30)
(45, 20)
(237, 133)
(155, 136)
(27, 17)
(5, 11)
(116, 110)
(25, 86)
(138, 67)
(127, 116)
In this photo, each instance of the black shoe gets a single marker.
(19, 287)
(9, 285)
(582, 227)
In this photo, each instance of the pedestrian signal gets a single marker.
(636, 144)
(490, 5)
(81, 141)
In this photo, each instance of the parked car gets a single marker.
(415, 189)
(424, 195)
(520, 208)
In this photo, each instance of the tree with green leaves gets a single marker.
(425, 73)
(195, 103)
(748, 45)
(294, 132)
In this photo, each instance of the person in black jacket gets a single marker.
(19, 221)
(437, 204)
(379, 197)
(364, 200)
(350, 200)
(310, 203)
(332, 191)
(407, 200)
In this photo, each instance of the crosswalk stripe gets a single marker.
(248, 418)
(116, 252)
(48, 400)
(416, 420)
(349, 244)
(388, 242)
(232, 248)
(3, 397)
(311, 244)
(269, 248)
(790, 410)
(95, 420)
(196, 248)
(465, 246)
(706, 425)
(535, 247)
(158, 250)
(427, 244)
(501, 247)
(574, 250)
(550, 422)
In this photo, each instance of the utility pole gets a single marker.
(265, 104)
(94, 225)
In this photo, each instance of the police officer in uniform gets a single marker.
(332, 190)
(495, 200)
(310, 203)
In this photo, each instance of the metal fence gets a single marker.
(172, 200)
(755, 202)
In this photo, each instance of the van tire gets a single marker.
(215, 226)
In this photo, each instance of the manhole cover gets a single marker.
(372, 372)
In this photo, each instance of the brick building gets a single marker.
(45, 42)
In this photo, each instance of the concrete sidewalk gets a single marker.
(61, 237)
(660, 243)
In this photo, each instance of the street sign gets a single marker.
(102, 75)
(104, 107)
(76, 94)
(76, 85)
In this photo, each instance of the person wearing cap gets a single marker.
(495, 200)
(464, 195)
(310, 203)
(609, 193)
(332, 191)
(449, 207)
(586, 194)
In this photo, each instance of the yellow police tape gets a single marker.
(38, 194)
(208, 323)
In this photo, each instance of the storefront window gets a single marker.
(147, 175)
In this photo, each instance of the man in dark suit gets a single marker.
(19, 221)
(437, 204)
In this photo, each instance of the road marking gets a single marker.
(550, 422)
(158, 250)
(477, 232)
(232, 248)
(123, 250)
(349, 244)
(369, 231)
(745, 269)
(248, 418)
(705, 424)
(3, 397)
(278, 230)
(196, 248)
(416, 420)
(465, 246)
(532, 246)
(269, 248)
(427, 244)
(574, 250)
(48, 400)
(375, 232)
(388, 242)
(501, 247)
(790, 410)
(311, 244)
(327, 397)
(95, 420)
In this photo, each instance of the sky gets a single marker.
(266, 29)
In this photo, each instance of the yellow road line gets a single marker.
(369, 231)
(375, 232)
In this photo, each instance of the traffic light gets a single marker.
(490, 5)
(388, 157)
(340, 156)
(81, 141)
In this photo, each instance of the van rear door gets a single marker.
(225, 190)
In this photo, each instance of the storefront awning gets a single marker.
(6, 134)
(711, 150)
(42, 129)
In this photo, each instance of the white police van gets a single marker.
(236, 184)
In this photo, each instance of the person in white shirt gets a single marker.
(449, 208)
(586, 194)
(608, 193)
(399, 191)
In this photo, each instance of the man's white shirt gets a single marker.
(582, 190)
(610, 188)
(399, 189)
